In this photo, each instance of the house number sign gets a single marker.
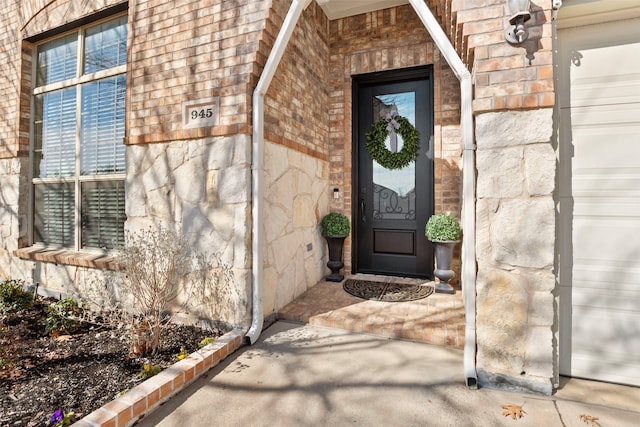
(200, 113)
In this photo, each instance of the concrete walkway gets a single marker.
(313, 376)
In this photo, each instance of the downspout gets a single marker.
(257, 164)
(468, 186)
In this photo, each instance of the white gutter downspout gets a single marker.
(468, 186)
(257, 164)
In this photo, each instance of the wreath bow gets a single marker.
(378, 134)
(392, 123)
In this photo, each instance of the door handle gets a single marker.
(363, 216)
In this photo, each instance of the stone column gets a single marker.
(515, 250)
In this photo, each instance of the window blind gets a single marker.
(102, 126)
(103, 214)
(105, 45)
(54, 218)
(57, 60)
(55, 123)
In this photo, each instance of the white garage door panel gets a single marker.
(609, 207)
(594, 165)
(603, 133)
(608, 83)
(588, 295)
(607, 239)
(608, 184)
(599, 322)
(605, 68)
(591, 367)
(604, 359)
(600, 202)
(596, 116)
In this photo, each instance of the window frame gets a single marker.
(77, 179)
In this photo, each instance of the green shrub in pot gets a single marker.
(335, 225)
(443, 228)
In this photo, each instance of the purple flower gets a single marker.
(57, 417)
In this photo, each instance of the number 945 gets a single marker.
(202, 113)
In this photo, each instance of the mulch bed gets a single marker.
(78, 373)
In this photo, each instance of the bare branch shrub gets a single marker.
(160, 275)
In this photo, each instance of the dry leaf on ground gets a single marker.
(514, 411)
(590, 420)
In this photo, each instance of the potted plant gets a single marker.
(335, 228)
(444, 231)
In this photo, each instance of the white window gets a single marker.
(78, 150)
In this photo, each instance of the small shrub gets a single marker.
(160, 273)
(157, 264)
(183, 353)
(62, 317)
(13, 297)
(335, 225)
(206, 341)
(149, 371)
(443, 228)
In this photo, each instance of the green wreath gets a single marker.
(378, 135)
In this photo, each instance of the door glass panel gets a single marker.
(394, 195)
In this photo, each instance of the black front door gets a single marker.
(393, 206)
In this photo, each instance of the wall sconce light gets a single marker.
(517, 33)
(336, 193)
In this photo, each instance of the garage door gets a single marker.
(599, 151)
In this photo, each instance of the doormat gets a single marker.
(386, 292)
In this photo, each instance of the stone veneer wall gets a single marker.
(13, 216)
(200, 188)
(296, 162)
(296, 193)
(198, 180)
(515, 250)
(391, 39)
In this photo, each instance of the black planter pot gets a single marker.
(335, 258)
(444, 255)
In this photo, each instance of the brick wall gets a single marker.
(384, 40)
(297, 102)
(177, 53)
(11, 61)
(506, 76)
(192, 50)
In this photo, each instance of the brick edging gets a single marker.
(125, 410)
